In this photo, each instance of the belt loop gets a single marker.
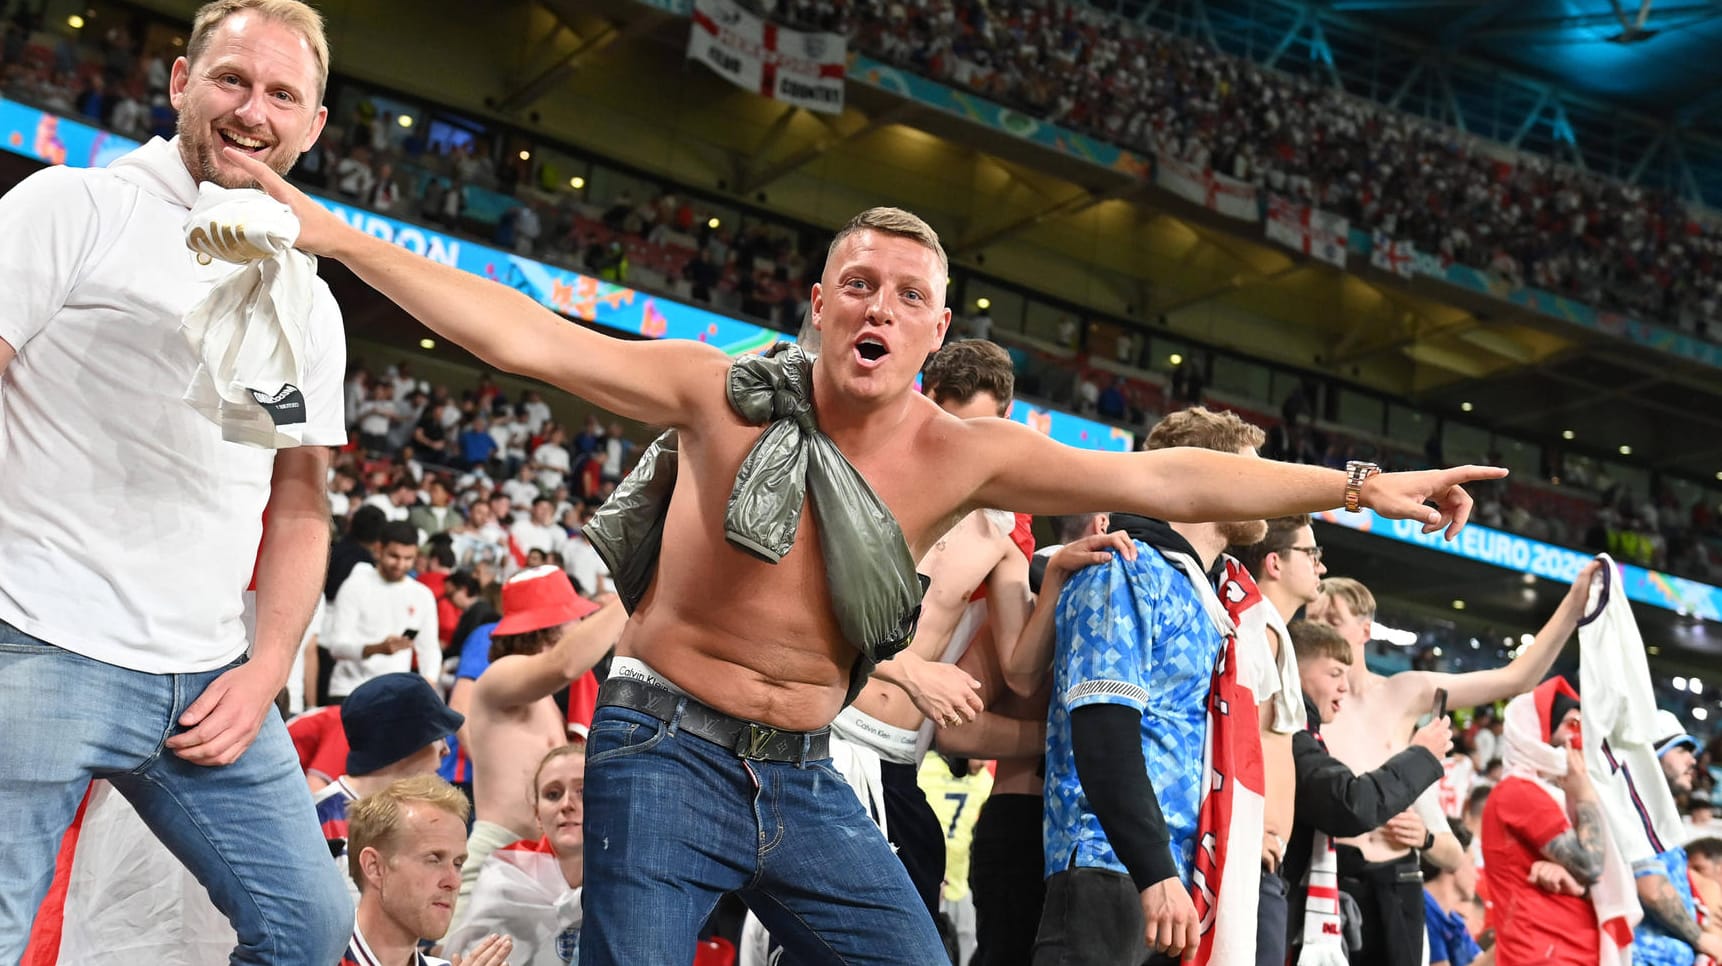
(676, 715)
(806, 749)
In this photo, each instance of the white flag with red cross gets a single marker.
(801, 68)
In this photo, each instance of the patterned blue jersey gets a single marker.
(1132, 633)
(1653, 945)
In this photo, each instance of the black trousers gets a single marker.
(1007, 872)
(912, 826)
(1093, 917)
(1390, 896)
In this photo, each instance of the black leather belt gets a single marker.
(748, 739)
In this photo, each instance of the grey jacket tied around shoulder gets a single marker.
(875, 591)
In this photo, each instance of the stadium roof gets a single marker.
(1634, 92)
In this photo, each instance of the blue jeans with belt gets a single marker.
(674, 821)
(247, 831)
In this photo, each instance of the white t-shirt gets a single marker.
(95, 437)
(555, 462)
(537, 414)
(521, 492)
(367, 610)
(586, 567)
(530, 536)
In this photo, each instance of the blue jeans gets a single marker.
(674, 821)
(246, 830)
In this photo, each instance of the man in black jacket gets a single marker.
(1330, 797)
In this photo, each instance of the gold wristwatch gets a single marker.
(1356, 472)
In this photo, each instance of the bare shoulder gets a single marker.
(1408, 691)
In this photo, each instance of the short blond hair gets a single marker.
(1356, 596)
(293, 14)
(893, 221)
(1203, 428)
(375, 821)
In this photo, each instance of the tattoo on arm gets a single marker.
(1579, 850)
(1662, 902)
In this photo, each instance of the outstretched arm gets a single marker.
(663, 383)
(1025, 471)
(1518, 676)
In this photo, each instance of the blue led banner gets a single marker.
(1524, 555)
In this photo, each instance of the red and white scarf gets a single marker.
(1323, 926)
(1225, 881)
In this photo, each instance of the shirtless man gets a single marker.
(753, 650)
(537, 650)
(1376, 722)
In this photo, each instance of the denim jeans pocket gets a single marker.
(620, 732)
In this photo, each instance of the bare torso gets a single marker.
(758, 640)
(508, 744)
(1373, 725)
(959, 561)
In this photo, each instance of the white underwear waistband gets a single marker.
(634, 669)
(893, 744)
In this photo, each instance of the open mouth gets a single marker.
(249, 145)
(871, 350)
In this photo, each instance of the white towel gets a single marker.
(249, 332)
(1620, 726)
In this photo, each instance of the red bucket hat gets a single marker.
(538, 598)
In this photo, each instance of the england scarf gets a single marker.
(522, 894)
(1225, 881)
(1323, 926)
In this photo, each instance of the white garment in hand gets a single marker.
(248, 333)
(1620, 726)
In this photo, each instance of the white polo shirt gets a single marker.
(128, 527)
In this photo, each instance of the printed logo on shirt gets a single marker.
(568, 944)
(286, 407)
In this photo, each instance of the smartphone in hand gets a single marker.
(1438, 710)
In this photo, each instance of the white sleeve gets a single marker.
(1428, 806)
(342, 639)
(49, 226)
(325, 373)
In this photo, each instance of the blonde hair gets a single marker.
(1205, 429)
(893, 221)
(1356, 596)
(293, 14)
(375, 821)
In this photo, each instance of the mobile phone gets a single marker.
(1439, 710)
(413, 632)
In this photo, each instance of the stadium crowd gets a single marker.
(666, 241)
(1525, 217)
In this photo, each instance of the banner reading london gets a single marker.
(804, 69)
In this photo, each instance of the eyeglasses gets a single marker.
(1314, 553)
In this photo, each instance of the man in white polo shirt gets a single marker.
(382, 619)
(127, 660)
